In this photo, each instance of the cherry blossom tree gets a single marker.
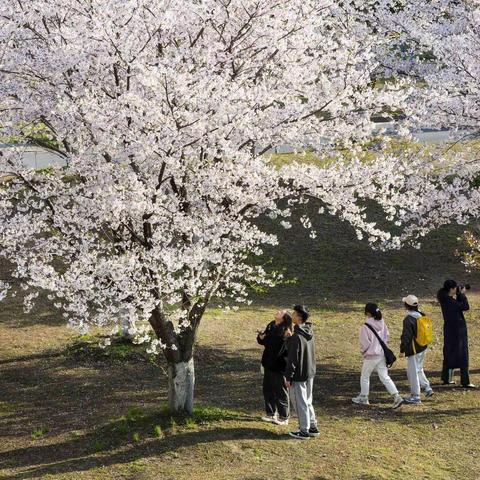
(436, 44)
(162, 112)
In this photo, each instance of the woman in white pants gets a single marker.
(374, 357)
(414, 352)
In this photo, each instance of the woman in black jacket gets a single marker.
(455, 337)
(274, 362)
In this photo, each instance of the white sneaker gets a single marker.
(269, 419)
(278, 421)
(397, 402)
(413, 400)
(361, 400)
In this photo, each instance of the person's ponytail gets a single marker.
(286, 324)
(373, 311)
(441, 294)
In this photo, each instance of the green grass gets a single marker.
(394, 145)
(105, 408)
(205, 415)
(40, 432)
(99, 446)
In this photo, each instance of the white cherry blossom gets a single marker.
(162, 111)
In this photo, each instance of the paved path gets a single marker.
(38, 158)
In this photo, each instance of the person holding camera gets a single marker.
(274, 356)
(454, 303)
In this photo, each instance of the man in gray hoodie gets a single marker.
(300, 372)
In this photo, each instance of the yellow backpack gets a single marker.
(424, 331)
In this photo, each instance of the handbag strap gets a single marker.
(382, 343)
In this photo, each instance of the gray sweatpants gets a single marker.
(415, 374)
(303, 393)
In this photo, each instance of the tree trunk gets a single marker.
(181, 383)
(179, 354)
(124, 323)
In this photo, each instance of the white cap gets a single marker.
(411, 300)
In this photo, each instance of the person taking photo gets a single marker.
(454, 303)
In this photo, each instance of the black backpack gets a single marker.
(390, 357)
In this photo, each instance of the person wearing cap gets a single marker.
(414, 352)
(300, 371)
(454, 303)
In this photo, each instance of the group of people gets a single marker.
(289, 365)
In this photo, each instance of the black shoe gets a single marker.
(470, 386)
(300, 435)
(313, 432)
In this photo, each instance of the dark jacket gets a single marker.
(455, 336)
(301, 354)
(409, 334)
(275, 353)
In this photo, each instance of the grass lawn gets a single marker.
(69, 410)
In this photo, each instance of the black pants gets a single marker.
(447, 375)
(275, 395)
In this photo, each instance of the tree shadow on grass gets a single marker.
(82, 454)
(90, 399)
(29, 358)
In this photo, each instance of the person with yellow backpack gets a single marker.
(417, 334)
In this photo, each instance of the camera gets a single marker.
(461, 287)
